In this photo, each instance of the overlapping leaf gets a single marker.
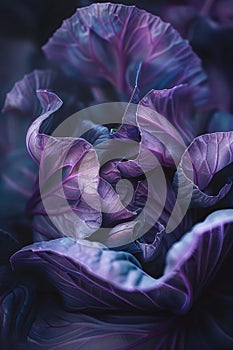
(202, 161)
(111, 280)
(107, 42)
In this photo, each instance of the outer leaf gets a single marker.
(110, 172)
(110, 280)
(22, 97)
(109, 42)
(21, 107)
(204, 158)
(165, 222)
(206, 326)
(36, 136)
(55, 328)
(161, 117)
(69, 179)
(176, 106)
(158, 135)
(17, 313)
(17, 170)
(119, 235)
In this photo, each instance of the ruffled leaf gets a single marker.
(110, 280)
(204, 158)
(17, 313)
(162, 120)
(176, 106)
(36, 136)
(57, 328)
(69, 180)
(158, 135)
(21, 108)
(208, 325)
(165, 222)
(18, 171)
(108, 42)
(22, 97)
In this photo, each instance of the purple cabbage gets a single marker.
(121, 263)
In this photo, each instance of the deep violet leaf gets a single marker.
(17, 313)
(165, 222)
(112, 208)
(176, 106)
(120, 235)
(111, 280)
(207, 326)
(69, 180)
(94, 125)
(63, 330)
(96, 134)
(161, 117)
(21, 108)
(18, 171)
(77, 160)
(203, 328)
(159, 135)
(204, 158)
(110, 41)
(36, 137)
(8, 245)
(150, 250)
(159, 202)
(151, 202)
(22, 97)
